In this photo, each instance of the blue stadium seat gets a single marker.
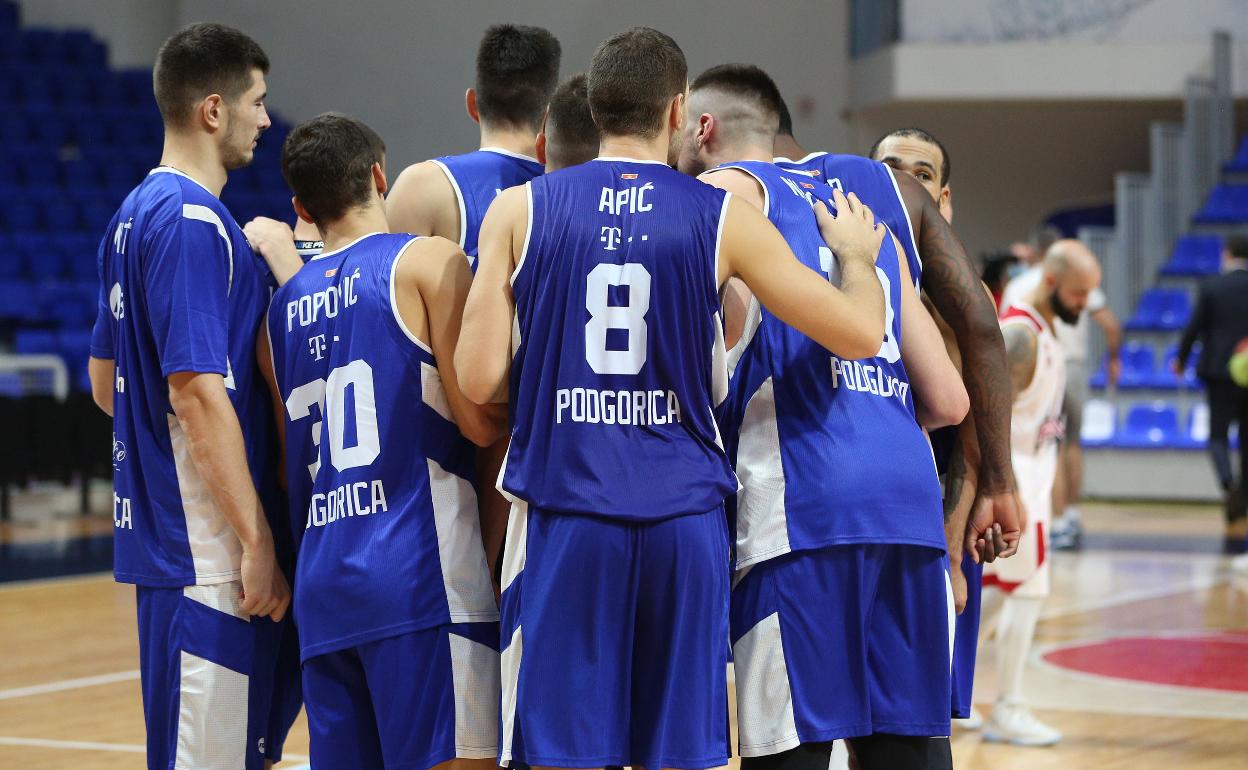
(1161, 310)
(14, 128)
(32, 341)
(74, 345)
(69, 305)
(1166, 378)
(1152, 425)
(43, 262)
(10, 261)
(61, 215)
(1195, 255)
(1239, 163)
(21, 215)
(20, 302)
(81, 174)
(1227, 203)
(1139, 366)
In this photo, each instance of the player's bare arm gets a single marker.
(484, 352)
(274, 241)
(1021, 344)
(264, 358)
(102, 373)
(955, 289)
(939, 396)
(431, 286)
(422, 201)
(848, 321)
(215, 442)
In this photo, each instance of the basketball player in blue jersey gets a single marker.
(569, 136)
(603, 279)
(516, 72)
(872, 666)
(946, 274)
(397, 616)
(173, 349)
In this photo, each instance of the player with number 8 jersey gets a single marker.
(394, 600)
(595, 308)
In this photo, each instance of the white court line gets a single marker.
(125, 748)
(69, 684)
(1130, 597)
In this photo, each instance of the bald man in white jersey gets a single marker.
(1038, 382)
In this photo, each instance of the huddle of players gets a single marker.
(578, 317)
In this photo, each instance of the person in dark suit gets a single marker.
(1219, 322)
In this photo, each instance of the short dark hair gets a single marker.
(517, 68)
(569, 122)
(327, 163)
(750, 84)
(923, 136)
(201, 60)
(632, 77)
(1238, 246)
(786, 120)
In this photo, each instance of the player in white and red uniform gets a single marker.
(1038, 379)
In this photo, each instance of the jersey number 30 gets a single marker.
(604, 316)
(330, 396)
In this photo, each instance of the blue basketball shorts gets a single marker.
(840, 642)
(966, 639)
(209, 677)
(405, 702)
(615, 641)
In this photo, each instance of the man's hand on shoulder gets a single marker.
(274, 241)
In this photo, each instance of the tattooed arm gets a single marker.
(955, 290)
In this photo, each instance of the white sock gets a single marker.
(1016, 628)
(1071, 514)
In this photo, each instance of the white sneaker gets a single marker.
(972, 722)
(1017, 725)
(1240, 564)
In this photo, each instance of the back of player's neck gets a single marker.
(521, 142)
(745, 152)
(191, 157)
(635, 147)
(787, 147)
(352, 227)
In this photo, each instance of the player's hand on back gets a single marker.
(853, 234)
(274, 241)
(265, 591)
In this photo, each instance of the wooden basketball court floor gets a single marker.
(1141, 656)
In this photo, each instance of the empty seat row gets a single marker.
(62, 303)
(1195, 255)
(39, 45)
(1139, 370)
(1227, 204)
(1161, 310)
(54, 128)
(1154, 425)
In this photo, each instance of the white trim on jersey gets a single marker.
(606, 159)
(909, 229)
(809, 157)
(212, 715)
(509, 154)
(765, 716)
(528, 232)
(762, 522)
(511, 659)
(216, 552)
(204, 214)
(476, 677)
(459, 198)
(183, 174)
(465, 573)
(719, 236)
(753, 318)
(340, 249)
(432, 393)
(394, 300)
(766, 192)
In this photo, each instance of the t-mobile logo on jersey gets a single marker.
(117, 302)
(611, 237)
(316, 346)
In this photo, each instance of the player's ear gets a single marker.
(470, 103)
(541, 147)
(301, 211)
(946, 203)
(211, 111)
(379, 179)
(676, 112)
(706, 128)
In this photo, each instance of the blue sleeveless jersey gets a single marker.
(618, 354)
(478, 177)
(828, 451)
(378, 474)
(180, 291)
(874, 185)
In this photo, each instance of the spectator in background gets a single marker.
(1218, 324)
(1074, 342)
(999, 267)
